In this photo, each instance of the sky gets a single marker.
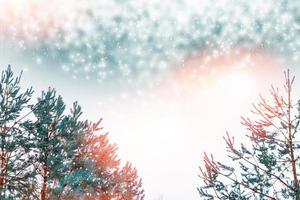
(169, 78)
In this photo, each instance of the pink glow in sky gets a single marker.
(166, 130)
(33, 20)
(163, 128)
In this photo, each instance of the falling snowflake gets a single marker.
(136, 39)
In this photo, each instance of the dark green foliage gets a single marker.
(103, 177)
(47, 152)
(15, 168)
(54, 134)
(269, 167)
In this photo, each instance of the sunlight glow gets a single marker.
(168, 77)
(235, 86)
(188, 113)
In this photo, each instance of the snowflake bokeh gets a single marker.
(133, 40)
(173, 65)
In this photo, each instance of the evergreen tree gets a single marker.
(14, 137)
(47, 153)
(98, 162)
(53, 133)
(129, 184)
(269, 167)
(48, 132)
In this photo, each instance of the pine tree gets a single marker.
(130, 185)
(98, 162)
(48, 130)
(49, 153)
(54, 134)
(14, 137)
(77, 178)
(269, 167)
(73, 160)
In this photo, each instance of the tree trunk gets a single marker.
(290, 136)
(2, 170)
(44, 187)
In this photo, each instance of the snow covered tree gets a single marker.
(14, 137)
(267, 167)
